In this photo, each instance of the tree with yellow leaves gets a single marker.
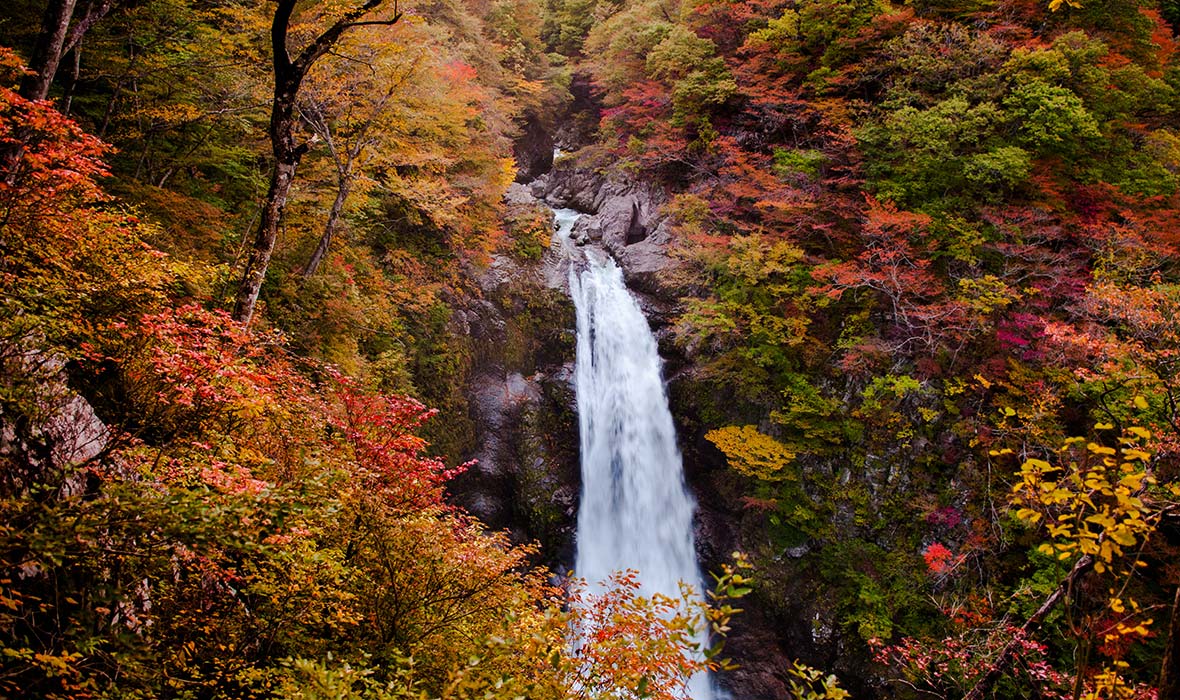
(753, 453)
(1098, 505)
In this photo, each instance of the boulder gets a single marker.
(624, 217)
(48, 440)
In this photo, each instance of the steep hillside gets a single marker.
(920, 248)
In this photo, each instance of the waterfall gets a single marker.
(635, 511)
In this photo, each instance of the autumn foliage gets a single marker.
(191, 509)
(913, 238)
(926, 344)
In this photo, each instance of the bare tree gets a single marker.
(289, 75)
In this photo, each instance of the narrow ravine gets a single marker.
(635, 511)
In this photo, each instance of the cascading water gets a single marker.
(635, 511)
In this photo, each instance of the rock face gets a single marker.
(624, 217)
(524, 480)
(525, 477)
(523, 401)
(533, 151)
(580, 125)
(61, 431)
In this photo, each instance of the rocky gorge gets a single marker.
(526, 475)
(520, 388)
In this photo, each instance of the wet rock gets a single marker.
(476, 319)
(574, 188)
(587, 229)
(625, 217)
(525, 478)
(761, 672)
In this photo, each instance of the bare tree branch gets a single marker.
(1008, 654)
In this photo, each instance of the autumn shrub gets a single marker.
(71, 261)
(530, 232)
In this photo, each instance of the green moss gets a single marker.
(530, 232)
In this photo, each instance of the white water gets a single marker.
(635, 511)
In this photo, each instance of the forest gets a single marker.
(287, 346)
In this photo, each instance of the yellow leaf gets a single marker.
(1132, 481)
(1138, 455)
(1123, 537)
(1029, 515)
(753, 453)
(1101, 519)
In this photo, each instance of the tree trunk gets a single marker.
(287, 157)
(1170, 668)
(55, 39)
(289, 76)
(329, 228)
(67, 99)
(55, 26)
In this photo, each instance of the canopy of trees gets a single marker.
(927, 307)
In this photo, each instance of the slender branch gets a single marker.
(1008, 654)
(376, 22)
(324, 42)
